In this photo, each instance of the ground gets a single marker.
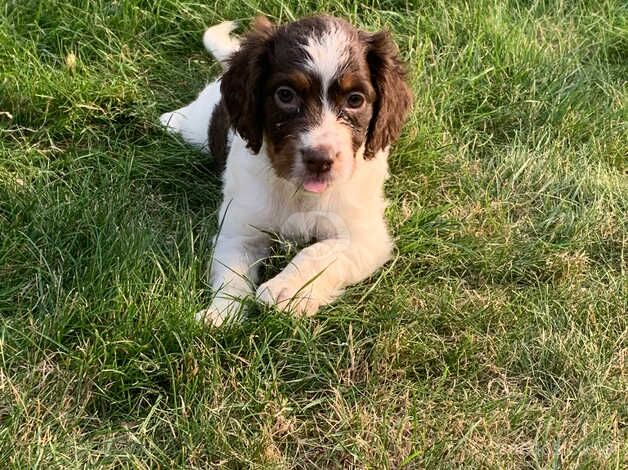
(496, 337)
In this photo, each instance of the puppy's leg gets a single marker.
(192, 121)
(319, 273)
(234, 271)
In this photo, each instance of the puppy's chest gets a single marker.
(303, 218)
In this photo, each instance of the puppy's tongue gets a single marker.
(314, 185)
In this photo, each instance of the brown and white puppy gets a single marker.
(302, 120)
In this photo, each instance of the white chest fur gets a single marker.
(252, 192)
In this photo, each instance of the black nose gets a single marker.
(318, 159)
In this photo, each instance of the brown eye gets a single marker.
(355, 100)
(285, 96)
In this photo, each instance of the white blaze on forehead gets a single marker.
(328, 54)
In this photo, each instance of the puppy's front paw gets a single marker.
(220, 310)
(288, 294)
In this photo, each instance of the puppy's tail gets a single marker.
(219, 42)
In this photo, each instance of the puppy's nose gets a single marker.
(318, 159)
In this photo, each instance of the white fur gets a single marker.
(326, 52)
(192, 121)
(348, 219)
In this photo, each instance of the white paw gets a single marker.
(171, 121)
(288, 294)
(220, 310)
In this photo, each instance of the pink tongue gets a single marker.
(315, 186)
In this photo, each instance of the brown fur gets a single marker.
(394, 98)
(218, 135)
(242, 83)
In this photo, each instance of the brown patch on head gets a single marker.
(356, 80)
(295, 78)
(282, 127)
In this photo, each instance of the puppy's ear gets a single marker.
(242, 83)
(394, 98)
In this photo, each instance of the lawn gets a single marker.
(496, 337)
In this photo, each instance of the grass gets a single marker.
(497, 337)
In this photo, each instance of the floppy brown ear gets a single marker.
(242, 83)
(394, 98)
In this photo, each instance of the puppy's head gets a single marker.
(318, 94)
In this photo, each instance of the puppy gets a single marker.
(302, 121)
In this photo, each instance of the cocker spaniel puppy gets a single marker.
(301, 121)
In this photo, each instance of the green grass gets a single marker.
(497, 337)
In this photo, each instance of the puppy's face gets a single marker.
(319, 94)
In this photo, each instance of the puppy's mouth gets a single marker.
(315, 184)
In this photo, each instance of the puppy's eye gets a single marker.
(355, 100)
(285, 96)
